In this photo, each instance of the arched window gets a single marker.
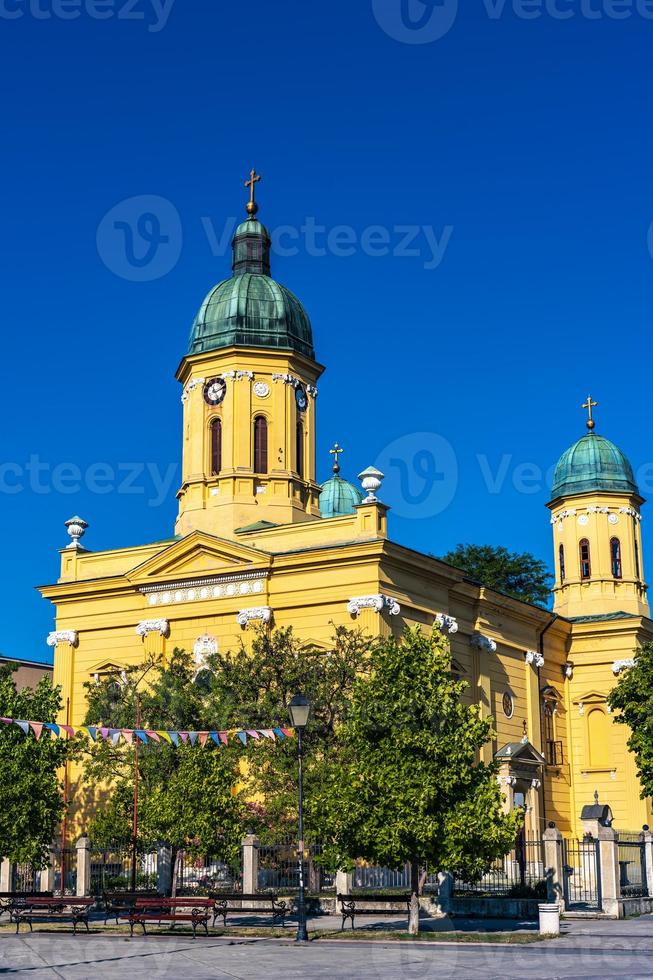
(216, 446)
(300, 449)
(615, 555)
(260, 444)
(585, 563)
(636, 557)
(561, 553)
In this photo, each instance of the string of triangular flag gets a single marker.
(148, 736)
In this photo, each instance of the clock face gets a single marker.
(214, 391)
(301, 399)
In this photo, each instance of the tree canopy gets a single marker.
(632, 701)
(520, 575)
(31, 796)
(406, 786)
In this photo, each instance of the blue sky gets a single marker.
(467, 193)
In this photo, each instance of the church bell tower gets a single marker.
(597, 536)
(249, 395)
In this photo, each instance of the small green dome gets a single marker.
(593, 463)
(338, 498)
(251, 309)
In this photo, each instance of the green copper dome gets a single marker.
(251, 309)
(338, 497)
(593, 463)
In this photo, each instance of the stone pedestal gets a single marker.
(163, 869)
(47, 875)
(250, 864)
(554, 866)
(344, 885)
(5, 875)
(83, 848)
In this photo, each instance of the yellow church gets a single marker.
(259, 541)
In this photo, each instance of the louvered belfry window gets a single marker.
(260, 444)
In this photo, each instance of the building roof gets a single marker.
(251, 309)
(338, 497)
(593, 464)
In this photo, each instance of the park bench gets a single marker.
(67, 907)
(237, 903)
(195, 911)
(10, 900)
(353, 905)
(119, 902)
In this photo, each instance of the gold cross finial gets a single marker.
(589, 405)
(252, 206)
(336, 452)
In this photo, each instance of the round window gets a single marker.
(508, 705)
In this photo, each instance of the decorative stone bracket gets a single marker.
(378, 603)
(534, 658)
(261, 613)
(483, 643)
(161, 626)
(620, 665)
(568, 670)
(290, 379)
(446, 623)
(63, 636)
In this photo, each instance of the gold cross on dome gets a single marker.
(589, 405)
(254, 178)
(336, 452)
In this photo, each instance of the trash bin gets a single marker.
(549, 919)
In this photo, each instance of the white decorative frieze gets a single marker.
(63, 636)
(536, 783)
(261, 614)
(190, 387)
(598, 510)
(203, 648)
(620, 665)
(446, 623)
(533, 658)
(379, 603)
(507, 780)
(290, 379)
(200, 590)
(160, 626)
(483, 643)
(631, 513)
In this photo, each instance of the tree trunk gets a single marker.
(413, 921)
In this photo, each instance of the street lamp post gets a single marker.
(300, 709)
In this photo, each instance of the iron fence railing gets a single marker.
(111, 868)
(632, 864)
(201, 875)
(278, 868)
(519, 872)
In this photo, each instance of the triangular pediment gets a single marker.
(198, 554)
(521, 752)
(591, 697)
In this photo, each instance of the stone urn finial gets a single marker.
(371, 480)
(77, 527)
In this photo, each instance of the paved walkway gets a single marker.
(588, 950)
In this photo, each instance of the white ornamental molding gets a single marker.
(536, 783)
(598, 510)
(161, 626)
(631, 513)
(483, 643)
(378, 603)
(446, 623)
(290, 379)
(203, 648)
(568, 670)
(63, 636)
(199, 590)
(620, 665)
(191, 386)
(507, 780)
(534, 658)
(558, 518)
(261, 614)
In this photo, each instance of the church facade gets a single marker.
(259, 541)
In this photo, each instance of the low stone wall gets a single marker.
(496, 908)
(634, 906)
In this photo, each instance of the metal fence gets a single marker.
(582, 874)
(519, 872)
(377, 878)
(111, 868)
(278, 868)
(205, 874)
(632, 864)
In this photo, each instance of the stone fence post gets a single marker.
(5, 875)
(648, 855)
(47, 875)
(554, 866)
(163, 869)
(609, 868)
(344, 885)
(83, 848)
(250, 864)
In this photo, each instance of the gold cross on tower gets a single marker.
(589, 405)
(252, 206)
(336, 452)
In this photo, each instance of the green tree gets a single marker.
(187, 794)
(522, 576)
(406, 786)
(31, 797)
(632, 701)
(253, 688)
